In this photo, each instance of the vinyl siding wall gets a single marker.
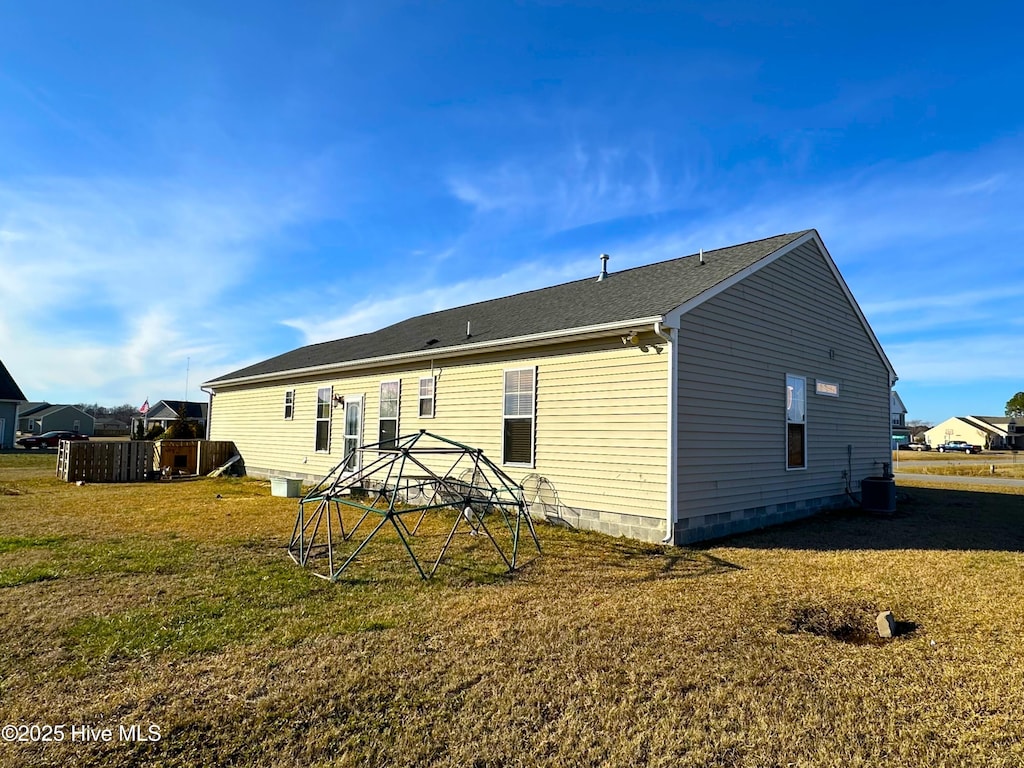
(8, 413)
(734, 353)
(601, 421)
(65, 419)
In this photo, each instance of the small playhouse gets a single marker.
(393, 486)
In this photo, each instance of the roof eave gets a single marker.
(462, 350)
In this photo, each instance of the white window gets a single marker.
(289, 404)
(353, 430)
(796, 422)
(76, 426)
(323, 419)
(390, 400)
(518, 416)
(427, 398)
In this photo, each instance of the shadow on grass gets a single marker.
(925, 518)
(628, 560)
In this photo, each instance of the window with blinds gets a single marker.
(390, 396)
(518, 415)
(323, 419)
(427, 398)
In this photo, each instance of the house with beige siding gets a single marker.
(990, 432)
(678, 401)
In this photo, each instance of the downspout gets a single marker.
(209, 410)
(672, 469)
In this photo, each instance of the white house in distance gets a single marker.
(990, 432)
(163, 413)
(678, 401)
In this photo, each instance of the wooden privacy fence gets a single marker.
(137, 460)
(120, 462)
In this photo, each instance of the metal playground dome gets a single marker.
(398, 483)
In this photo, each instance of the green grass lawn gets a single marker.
(175, 604)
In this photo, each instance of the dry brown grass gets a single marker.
(164, 604)
(988, 469)
(986, 457)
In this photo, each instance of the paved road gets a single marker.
(1005, 482)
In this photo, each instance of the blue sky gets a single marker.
(205, 185)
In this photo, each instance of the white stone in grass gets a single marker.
(886, 624)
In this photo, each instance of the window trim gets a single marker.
(787, 422)
(289, 405)
(432, 397)
(533, 419)
(397, 418)
(319, 418)
(345, 437)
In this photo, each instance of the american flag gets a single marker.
(144, 408)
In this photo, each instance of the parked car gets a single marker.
(918, 447)
(50, 439)
(959, 445)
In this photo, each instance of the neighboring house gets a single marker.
(45, 418)
(11, 397)
(108, 426)
(898, 419)
(25, 411)
(165, 412)
(990, 432)
(680, 401)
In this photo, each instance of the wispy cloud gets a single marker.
(883, 226)
(575, 187)
(110, 285)
(407, 300)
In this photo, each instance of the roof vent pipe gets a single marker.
(701, 257)
(468, 334)
(604, 267)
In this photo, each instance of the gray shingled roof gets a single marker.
(631, 294)
(195, 410)
(9, 389)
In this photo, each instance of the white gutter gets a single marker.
(548, 337)
(672, 469)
